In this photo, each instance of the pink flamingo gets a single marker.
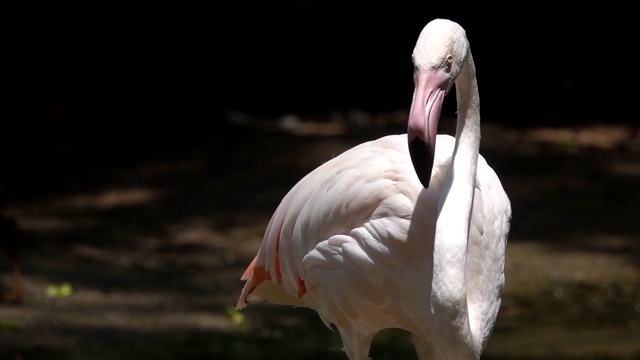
(390, 235)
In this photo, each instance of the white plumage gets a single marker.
(371, 243)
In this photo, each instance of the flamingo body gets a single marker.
(361, 239)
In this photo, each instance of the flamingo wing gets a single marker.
(347, 231)
(315, 221)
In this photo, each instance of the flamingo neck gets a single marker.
(452, 331)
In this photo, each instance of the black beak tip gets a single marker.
(424, 180)
(422, 159)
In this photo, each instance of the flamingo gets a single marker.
(398, 232)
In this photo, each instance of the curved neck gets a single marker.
(452, 334)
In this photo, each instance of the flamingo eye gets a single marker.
(448, 63)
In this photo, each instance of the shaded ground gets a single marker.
(153, 234)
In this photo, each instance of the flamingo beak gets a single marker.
(428, 96)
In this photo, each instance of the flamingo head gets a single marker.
(438, 57)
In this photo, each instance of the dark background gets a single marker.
(101, 68)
